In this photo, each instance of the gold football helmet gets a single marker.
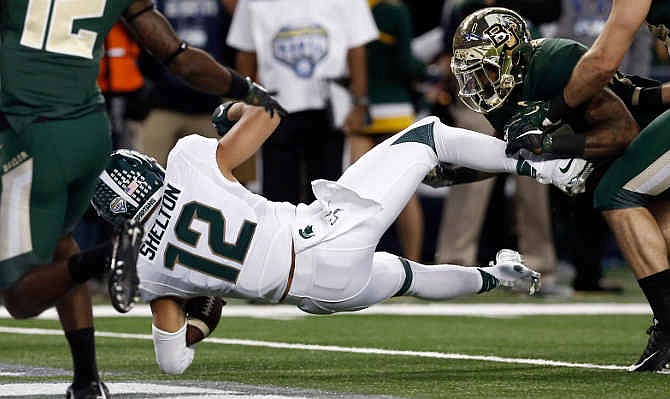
(487, 60)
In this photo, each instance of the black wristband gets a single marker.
(182, 47)
(651, 96)
(239, 87)
(569, 144)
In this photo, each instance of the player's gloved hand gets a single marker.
(220, 118)
(524, 131)
(556, 113)
(623, 87)
(637, 90)
(519, 139)
(258, 95)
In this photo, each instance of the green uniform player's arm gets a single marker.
(153, 32)
(604, 129)
(611, 127)
(195, 66)
(600, 62)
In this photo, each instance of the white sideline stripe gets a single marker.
(425, 309)
(332, 348)
(117, 388)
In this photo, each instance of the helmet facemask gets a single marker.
(486, 52)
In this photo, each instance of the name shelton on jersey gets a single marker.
(157, 231)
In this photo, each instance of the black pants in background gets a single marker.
(303, 148)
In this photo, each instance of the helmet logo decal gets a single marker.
(118, 205)
(501, 36)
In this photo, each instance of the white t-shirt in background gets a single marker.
(301, 43)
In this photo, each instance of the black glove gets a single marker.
(220, 118)
(557, 113)
(636, 90)
(531, 140)
(524, 130)
(257, 95)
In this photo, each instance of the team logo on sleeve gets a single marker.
(301, 48)
(118, 205)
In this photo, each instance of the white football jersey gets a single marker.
(211, 235)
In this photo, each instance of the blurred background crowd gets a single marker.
(350, 73)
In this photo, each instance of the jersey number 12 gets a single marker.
(236, 251)
(60, 20)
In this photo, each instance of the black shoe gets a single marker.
(95, 390)
(123, 281)
(657, 354)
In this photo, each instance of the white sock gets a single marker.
(471, 149)
(444, 281)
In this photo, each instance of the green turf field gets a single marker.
(602, 340)
(406, 353)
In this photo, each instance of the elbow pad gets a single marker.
(172, 354)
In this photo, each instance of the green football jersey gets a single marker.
(550, 64)
(50, 54)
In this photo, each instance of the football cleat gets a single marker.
(507, 270)
(95, 390)
(656, 355)
(569, 175)
(204, 314)
(123, 284)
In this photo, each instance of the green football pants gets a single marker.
(49, 172)
(642, 173)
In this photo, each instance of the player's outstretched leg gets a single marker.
(395, 276)
(450, 281)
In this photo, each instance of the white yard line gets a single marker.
(421, 309)
(332, 348)
(155, 390)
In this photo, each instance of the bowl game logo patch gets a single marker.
(118, 205)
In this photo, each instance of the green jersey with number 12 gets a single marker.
(50, 54)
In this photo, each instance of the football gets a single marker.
(203, 314)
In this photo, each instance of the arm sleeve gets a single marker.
(363, 27)
(172, 354)
(240, 35)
